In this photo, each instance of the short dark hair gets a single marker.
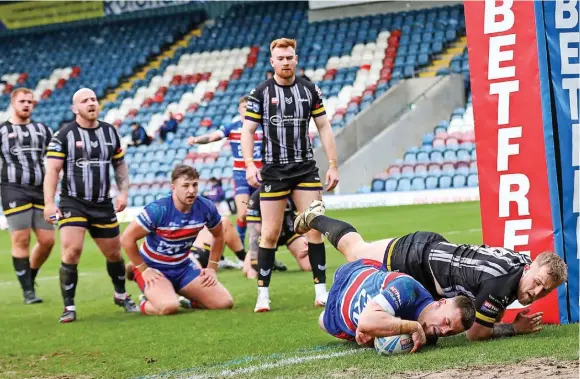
(182, 170)
(467, 310)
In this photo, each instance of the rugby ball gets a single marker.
(394, 345)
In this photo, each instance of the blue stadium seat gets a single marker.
(472, 180)
(444, 181)
(417, 184)
(404, 184)
(391, 184)
(431, 182)
(459, 181)
(378, 185)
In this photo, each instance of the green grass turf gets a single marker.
(107, 343)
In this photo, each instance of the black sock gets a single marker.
(333, 229)
(69, 278)
(22, 269)
(241, 254)
(266, 259)
(33, 273)
(317, 258)
(116, 271)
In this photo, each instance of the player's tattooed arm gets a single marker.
(503, 330)
(122, 176)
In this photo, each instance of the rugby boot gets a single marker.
(31, 298)
(279, 266)
(303, 220)
(67, 316)
(128, 304)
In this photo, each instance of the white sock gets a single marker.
(121, 296)
(264, 292)
(71, 308)
(320, 289)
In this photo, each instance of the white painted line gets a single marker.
(45, 278)
(270, 365)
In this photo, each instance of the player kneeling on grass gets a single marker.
(366, 302)
(492, 277)
(162, 266)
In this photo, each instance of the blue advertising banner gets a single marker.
(563, 45)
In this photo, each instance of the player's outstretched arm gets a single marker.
(374, 321)
(479, 332)
(252, 173)
(129, 238)
(53, 169)
(205, 138)
(329, 146)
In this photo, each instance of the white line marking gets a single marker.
(270, 365)
(460, 231)
(45, 278)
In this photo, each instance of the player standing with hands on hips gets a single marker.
(84, 150)
(284, 105)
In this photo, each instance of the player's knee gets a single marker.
(223, 301)
(269, 238)
(21, 240)
(169, 308)
(46, 241)
(314, 236)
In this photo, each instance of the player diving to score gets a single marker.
(492, 277)
(366, 302)
(162, 264)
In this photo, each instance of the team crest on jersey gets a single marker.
(274, 100)
(94, 144)
(253, 106)
(288, 100)
(79, 144)
(25, 134)
(267, 188)
(12, 204)
(67, 214)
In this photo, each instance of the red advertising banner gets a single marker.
(511, 156)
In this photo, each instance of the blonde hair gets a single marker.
(558, 270)
(283, 43)
(17, 91)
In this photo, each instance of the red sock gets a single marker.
(241, 223)
(142, 306)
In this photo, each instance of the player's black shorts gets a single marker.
(409, 254)
(18, 198)
(99, 219)
(279, 180)
(287, 235)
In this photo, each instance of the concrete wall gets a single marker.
(372, 8)
(382, 133)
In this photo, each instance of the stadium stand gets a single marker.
(198, 71)
(445, 159)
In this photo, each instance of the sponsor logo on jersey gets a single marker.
(395, 295)
(17, 150)
(490, 307)
(79, 144)
(253, 106)
(54, 146)
(12, 135)
(82, 163)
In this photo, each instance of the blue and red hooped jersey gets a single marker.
(172, 233)
(358, 282)
(233, 132)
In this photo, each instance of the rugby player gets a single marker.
(492, 277)
(162, 266)
(85, 149)
(23, 147)
(284, 105)
(242, 190)
(366, 302)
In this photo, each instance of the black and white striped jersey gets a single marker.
(87, 154)
(285, 112)
(488, 275)
(22, 151)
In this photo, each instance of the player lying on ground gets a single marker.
(493, 277)
(296, 244)
(367, 302)
(162, 264)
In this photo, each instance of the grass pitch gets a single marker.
(107, 343)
